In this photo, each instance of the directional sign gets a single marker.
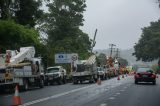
(66, 58)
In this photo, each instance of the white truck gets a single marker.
(21, 68)
(86, 70)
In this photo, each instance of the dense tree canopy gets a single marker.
(14, 36)
(148, 46)
(123, 62)
(24, 12)
(62, 24)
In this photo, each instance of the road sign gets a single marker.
(74, 57)
(66, 58)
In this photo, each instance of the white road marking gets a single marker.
(111, 84)
(112, 98)
(103, 104)
(122, 90)
(115, 95)
(118, 93)
(53, 97)
(7, 96)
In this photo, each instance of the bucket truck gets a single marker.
(21, 68)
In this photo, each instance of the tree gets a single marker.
(101, 59)
(14, 36)
(28, 12)
(123, 62)
(5, 11)
(62, 24)
(24, 12)
(148, 47)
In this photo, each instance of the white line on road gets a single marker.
(7, 96)
(118, 93)
(103, 104)
(112, 98)
(122, 90)
(54, 96)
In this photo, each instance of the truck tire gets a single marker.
(26, 85)
(59, 81)
(64, 80)
(75, 82)
(41, 83)
(91, 80)
(81, 82)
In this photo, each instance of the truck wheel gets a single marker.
(81, 81)
(41, 85)
(91, 80)
(59, 81)
(26, 86)
(75, 82)
(64, 80)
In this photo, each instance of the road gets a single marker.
(111, 92)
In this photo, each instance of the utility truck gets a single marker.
(86, 70)
(21, 68)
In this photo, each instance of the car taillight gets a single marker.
(137, 76)
(153, 76)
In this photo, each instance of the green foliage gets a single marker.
(24, 12)
(101, 59)
(62, 27)
(148, 47)
(123, 62)
(28, 12)
(5, 9)
(14, 36)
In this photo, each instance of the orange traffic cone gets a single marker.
(99, 81)
(16, 97)
(118, 78)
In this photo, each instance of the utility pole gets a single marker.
(111, 47)
(117, 53)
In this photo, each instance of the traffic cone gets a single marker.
(118, 78)
(16, 97)
(99, 81)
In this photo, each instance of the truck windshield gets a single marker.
(52, 70)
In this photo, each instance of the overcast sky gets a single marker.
(118, 21)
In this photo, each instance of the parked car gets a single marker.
(55, 74)
(145, 74)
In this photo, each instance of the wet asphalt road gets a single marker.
(110, 93)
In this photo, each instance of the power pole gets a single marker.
(117, 53)
(111, 48)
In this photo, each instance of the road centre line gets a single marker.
(53, 96)
(7, 96)
(66, 93)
